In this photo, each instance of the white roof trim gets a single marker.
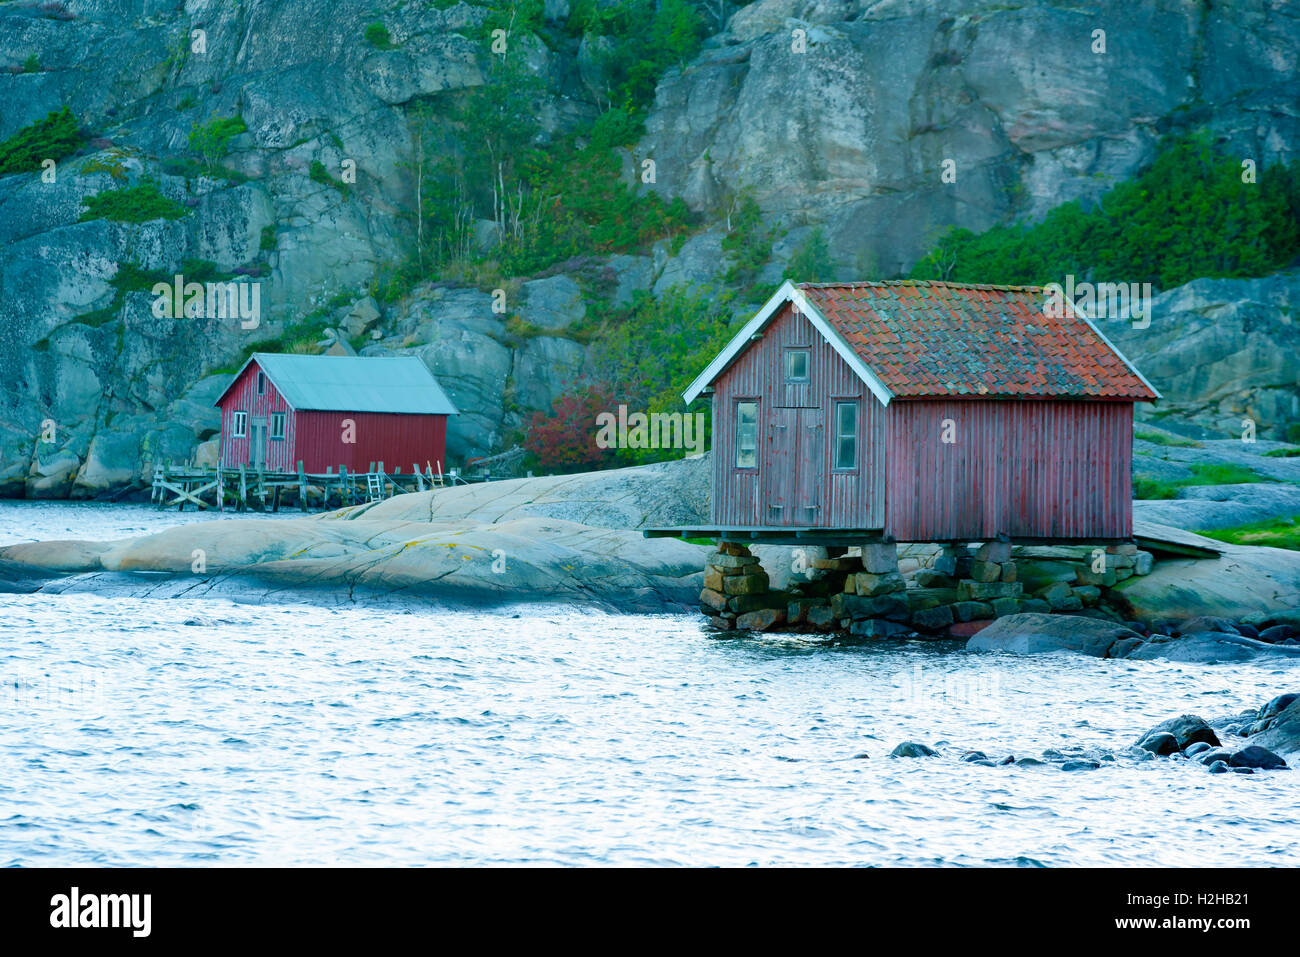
(840, 345)
(787, 293)
(1111, 346)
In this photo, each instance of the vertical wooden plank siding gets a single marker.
(243, 398)
(1038, 468)
(397, 440)
(846, 499)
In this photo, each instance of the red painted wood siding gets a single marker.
(396, 440)
(243, 398)
(1040, 468)
(844, 499)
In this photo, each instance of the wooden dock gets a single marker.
(246, 488)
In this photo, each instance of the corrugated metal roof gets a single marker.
(401, 384)
(934, 339)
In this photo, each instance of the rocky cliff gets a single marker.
(834, 113)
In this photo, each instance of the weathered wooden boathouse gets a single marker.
(860, 415)
(283, 412)
(922, 411)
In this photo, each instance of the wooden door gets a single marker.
(792, 467)
(809, 483)
(257, 444)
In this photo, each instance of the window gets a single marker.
(261, 383)
(239, 427)
(796, 365)
(846, 435)
(277, 425)
(746, 435)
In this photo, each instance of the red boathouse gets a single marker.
(921, 411)
(332, 411)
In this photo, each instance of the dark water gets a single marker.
(144, 731)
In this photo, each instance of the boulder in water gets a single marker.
(912, 749)
(1254, 756)
(1187, 729)
(1033, 633)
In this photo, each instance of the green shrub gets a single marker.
(748, 243)
(377, 36)
(1283, 453)
(319, 174)
(811, 262)
(54, 137)
(1189, 215)
(267, 241)
(32, 64)
(136, 204)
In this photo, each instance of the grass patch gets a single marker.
(1283, 454)
(1159, 438)
(136, 204)
(1202, 474)
(1276, 533)
(377, 36)
(319, 174)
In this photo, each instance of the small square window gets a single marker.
(746, 435)
(277, 425)
(796, 365)
(239, 425)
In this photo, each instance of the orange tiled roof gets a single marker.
(926, 339)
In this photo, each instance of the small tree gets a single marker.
(565, 440)
(211, 140)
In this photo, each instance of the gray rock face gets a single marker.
(852, 132)
(1222, 350)
(1028, 634)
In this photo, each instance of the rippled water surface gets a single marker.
(156, 732)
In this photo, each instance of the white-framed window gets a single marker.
(239, 425)
(846, 435)
(747, 434)
(277, 425)
(796, 365)
(261, 383)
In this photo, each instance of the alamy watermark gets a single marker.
(209, 300)
(1103, 300)
(656, 430)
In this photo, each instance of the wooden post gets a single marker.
(221, 489)
(343, 483)
(302, 487)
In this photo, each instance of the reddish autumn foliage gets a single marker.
(565, 440)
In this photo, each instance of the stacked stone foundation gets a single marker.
(938, 592)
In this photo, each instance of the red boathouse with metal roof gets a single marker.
(334, 411)
(922, 411)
